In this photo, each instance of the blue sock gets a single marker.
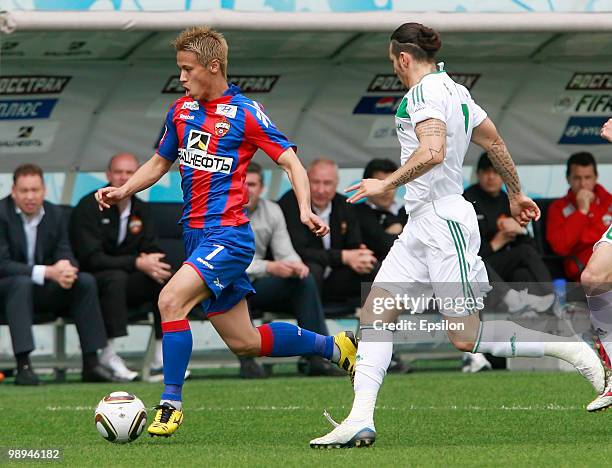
(172, 392)
(176, 346)
(283, 339)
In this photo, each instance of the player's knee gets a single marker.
(460, 341)
(170, 306)
(244, 347)
(592, 276)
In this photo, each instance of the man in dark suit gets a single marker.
(340, 261)
(38, 272)
(505, 246)
(120, 247)
(381, 217)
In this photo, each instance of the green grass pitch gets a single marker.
(423, 419)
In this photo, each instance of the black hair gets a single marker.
(419, 41)
(582, 158)
(379, 165)
(484, 163)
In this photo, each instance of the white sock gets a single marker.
(108, 352)
(373, 358)
(507, 339)
(176, 403)
(601, 318)
(158, 358)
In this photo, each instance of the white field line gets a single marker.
(544, 407)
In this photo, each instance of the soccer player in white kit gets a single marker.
(437, 252)
(597, 281)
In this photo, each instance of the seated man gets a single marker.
(505, 246)
(119, 246)
(576, 221)
(381, 217)
(38, 273)
(283, 283)
(339, 261)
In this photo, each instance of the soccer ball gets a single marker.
(120, 417)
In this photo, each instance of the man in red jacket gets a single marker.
(576, 221)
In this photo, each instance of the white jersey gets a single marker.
(437, 96)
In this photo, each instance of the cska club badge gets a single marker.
(222, 127)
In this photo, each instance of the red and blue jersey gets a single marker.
(215, 142)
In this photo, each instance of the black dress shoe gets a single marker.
(26, 376)
(250, 369)
(98, 373)
(316, 365)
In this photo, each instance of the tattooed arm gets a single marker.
(430, 152)
(522, 207)
(486, 136)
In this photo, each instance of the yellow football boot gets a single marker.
(166, 422)
(347, 344)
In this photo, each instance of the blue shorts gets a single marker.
(221, 255)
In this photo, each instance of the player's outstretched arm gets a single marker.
(522, 207)
(299, 180)
(146, 175)
(430, 152)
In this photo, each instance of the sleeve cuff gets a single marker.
(421, 116)
(38, 274)
(257, 269)
(168, 158)
(280, 150)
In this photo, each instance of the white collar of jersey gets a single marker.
(440, 66)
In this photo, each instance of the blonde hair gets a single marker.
(206, 43)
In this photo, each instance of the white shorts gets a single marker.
(437, 254)
(605, 239)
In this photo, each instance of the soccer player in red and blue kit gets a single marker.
(214, 131)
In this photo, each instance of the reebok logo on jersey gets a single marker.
(226, 110)
(186, 116)
(190, 106)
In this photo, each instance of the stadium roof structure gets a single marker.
(545, 78)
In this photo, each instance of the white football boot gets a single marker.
(346, 435)
(475, 362)
(604, 400)
(587, 362)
